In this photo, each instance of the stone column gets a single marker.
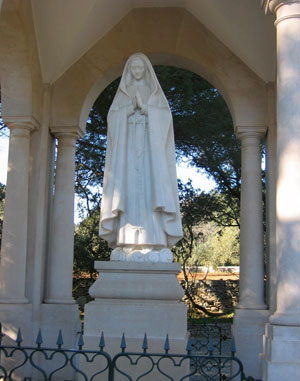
(251, 313)
(251, 236)
(60, 274)
(14, 242)
(282, 337)
(288, 162)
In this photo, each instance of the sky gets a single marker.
(3, 158)
(199, 180)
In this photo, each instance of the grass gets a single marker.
(210, 320)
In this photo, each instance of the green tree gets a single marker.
(219, 247)
(211, 238)
(88, 246)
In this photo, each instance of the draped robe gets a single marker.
(140, 205)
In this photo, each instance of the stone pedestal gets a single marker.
(134, 299)
(248, 329)
(50, 318)
(281, 353)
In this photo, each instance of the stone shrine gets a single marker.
(56, 57)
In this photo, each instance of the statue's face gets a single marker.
(137, 69)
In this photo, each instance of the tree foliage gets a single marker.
(88, 246)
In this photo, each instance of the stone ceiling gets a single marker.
(66, 29)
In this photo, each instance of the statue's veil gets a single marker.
(157, 97)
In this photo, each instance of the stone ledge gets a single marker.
(137, 281)
(137, 267)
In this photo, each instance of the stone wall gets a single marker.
(217, 295)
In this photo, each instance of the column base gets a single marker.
(50, 318)
(59, 301)
(241, 306)
(248, 329)
(280, 360)
(134, 299)
(292, 319)
(6, 300)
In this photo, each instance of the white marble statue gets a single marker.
(140, 216)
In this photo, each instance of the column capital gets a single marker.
(273, 5)
(21, 122)
(72, 132)
(243, 132)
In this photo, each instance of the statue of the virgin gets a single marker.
(140, 216)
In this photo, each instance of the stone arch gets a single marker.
(156, 59)
(170, 36)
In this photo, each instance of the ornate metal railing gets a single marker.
(201, 334)
(34, 363)
(212, 336)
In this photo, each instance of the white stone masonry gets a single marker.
(14, 241)
(251, 245)
(60, 275)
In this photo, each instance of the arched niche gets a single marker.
(169, 36)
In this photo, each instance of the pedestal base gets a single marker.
(134, 299)
(141, 255)
(248, 330)
(280, 360)
(50, 318)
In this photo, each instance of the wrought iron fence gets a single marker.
(212, 337)
(34, 363)
(201, 334)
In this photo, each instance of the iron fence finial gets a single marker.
(123, 343)
(59, 341)
(167, 345)
(80, 341)
(189, 345)
(39, 339)
(233, 348)
(102, 342)
(145, 343)
(19, 338)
